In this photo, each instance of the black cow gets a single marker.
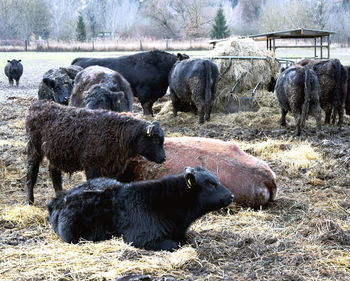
(100, 142)
(153, 214)
(297, 89)
(98, 87)
(57, 84)
(333, 79)
(192, 85)
(100, 97)
(14, 71)
(146, 72)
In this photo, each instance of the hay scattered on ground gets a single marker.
(303, 235)
(24, 215)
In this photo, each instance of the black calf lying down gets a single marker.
(153, 215)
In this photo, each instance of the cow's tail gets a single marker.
(337, 96)
(307, 95)
(208, 86)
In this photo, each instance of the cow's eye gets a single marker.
(211, 182)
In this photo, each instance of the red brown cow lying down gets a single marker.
(250, 179)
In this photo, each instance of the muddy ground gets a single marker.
(303, 235)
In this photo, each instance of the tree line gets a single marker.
(67, 19)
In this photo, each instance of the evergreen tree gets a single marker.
(219, 29)
(81, 31)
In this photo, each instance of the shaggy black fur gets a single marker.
(114, 92)
(97, 141)
(297, 89)
(147, 73)
(57, 84)
(192, 85)
(333, 80)
(153, 215)
(99, 97)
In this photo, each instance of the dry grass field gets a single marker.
(303, 235)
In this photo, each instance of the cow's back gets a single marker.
(150, 68)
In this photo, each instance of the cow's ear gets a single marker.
(19, 60)
(179, 57)
(190, 177)
(282, 69)
(8, 61)
(49, 82)
(151, 128)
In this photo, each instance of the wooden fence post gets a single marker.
(26, 45)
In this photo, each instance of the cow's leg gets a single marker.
(327, 119)
(93, 173)
(147, 108)
(283, 117)
(208, 108)
(341, 117)
(317, 116)
(11, 82)
(17, 82)
(298, 123)
(33, 163)
(56, 178)
(167, 245)
(174, 102)
(201, 112)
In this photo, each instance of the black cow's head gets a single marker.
(150, 142)
(211, 194)
(61, 88)
(181, 57)
(99, 97)
(16, 65)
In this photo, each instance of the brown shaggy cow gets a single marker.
(248, 178)
(333, 80)
(97, 141)
(113, 90)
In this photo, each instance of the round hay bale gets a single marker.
(242, 75)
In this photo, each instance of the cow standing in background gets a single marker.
(57, 84)
(153, 214)
(192, 85)
(98, 87)
(297, 89)
(147, 73)
(333, 79)
(14, 71)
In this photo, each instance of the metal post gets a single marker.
(274, 46)
(267, 43)
(329, 46)
(321, 47)
(26, 45)
(315, 53)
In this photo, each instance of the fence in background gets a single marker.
(110, 44)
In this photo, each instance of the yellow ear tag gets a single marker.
(189, 184)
